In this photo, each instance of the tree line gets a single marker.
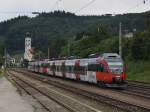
(67, 34)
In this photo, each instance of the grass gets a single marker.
(1, 73)
(138, 71)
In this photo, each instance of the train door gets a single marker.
(76, 69)
(36, 66)
(70, 67)
(83, 73)
(45, 67)
(103, 74)
(50, 68)
(53, 68)
(63, 69)
(91, 74)
(83, 69)
(40, 67)
(29, 66)
(58, 68)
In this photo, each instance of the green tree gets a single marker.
(140, 49)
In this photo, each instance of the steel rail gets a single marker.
(98, 97)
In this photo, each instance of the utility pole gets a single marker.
(39, 55)
(120, 39)
(5, 56)
(48, 53)
(58, 3)
(68, 48)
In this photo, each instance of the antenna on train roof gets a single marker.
(96, 55)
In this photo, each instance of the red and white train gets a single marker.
(105, 70)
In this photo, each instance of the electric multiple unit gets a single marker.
(106, 70)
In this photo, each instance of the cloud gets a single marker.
(96, 8)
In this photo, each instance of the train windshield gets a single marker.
(116, 67)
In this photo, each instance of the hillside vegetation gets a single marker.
(46, 28)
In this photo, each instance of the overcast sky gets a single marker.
(13, 8)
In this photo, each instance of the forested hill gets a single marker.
(47, 27)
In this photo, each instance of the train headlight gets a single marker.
(118, 79)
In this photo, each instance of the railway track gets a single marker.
(65, 103)
(38, 95)
(140, 91)
(138, 83)
(125, 105)
(138, 88)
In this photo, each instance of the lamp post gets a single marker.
(120, 39)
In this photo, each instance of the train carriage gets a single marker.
(83, 69)
(92, 68)
(40, 66)
(36, 68)
(29, 66)
(50, 67)
(45, 66)
(105, 70)
(70, 69)
(59, 68)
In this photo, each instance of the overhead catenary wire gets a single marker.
(86, 5)
(142, 2)
(56, 5)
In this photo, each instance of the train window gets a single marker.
(69, 69)
(57, 67)
(63, 67)
(106, 69)
(100, 68)
(77, 69)
(72, 69)
(46, 65)
(85, 70)
(82, 70)
(60, 68)
(49, 66)
(53, 67)
(66, 68)
(93, 67)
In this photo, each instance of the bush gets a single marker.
(138, 71)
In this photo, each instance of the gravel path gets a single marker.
(10, 100)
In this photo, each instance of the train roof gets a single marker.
(59, 62)
(110, 55)
(70, 62)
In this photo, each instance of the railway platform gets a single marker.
(10, 100)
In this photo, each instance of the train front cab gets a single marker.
(108, 77)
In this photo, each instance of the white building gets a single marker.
(28, 51)
(128, 35)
